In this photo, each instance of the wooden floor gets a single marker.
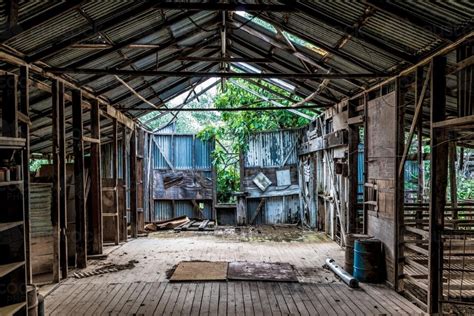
(145, 290)
(225, 298)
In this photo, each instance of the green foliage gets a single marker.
(237, 126)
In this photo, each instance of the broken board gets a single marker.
(262, 271)
(199, 271)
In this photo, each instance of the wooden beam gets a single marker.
(9, 105)
(63, 216)
(56, 183)
(439, 175)
(225, 59)
(24, 107)
(79, 180)
(214, 6)
(193, 74)
(109, 111)
(96, 181)
(133, 184)
(456, 122)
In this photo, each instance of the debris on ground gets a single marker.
(181, 223)
(107, 268)
(196, 225)
(166, 224)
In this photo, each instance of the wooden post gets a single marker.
(79, 181)
(399, 183)
(133, 185)
(115, 180)
(9, 113)
(439, 174)
(366, 161)
(63, 253)
(24, 107)
(452, 183)
(56, 182)
(125, 180)
(96, 181)
(353, 170)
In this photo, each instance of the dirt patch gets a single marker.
(253, 234)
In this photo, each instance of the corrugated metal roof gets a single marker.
(372, 47)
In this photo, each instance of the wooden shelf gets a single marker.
(7, 268)
(11, 309)
(10, 225)
(12, 143)
(9, 183)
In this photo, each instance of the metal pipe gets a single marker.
(345, 277)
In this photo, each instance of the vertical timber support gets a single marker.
(353, 170)
(79, 180)
(439, 174)
(115, 180)
(125, 184)
(366, 161)
(56, 183)
(133, 185)
(96, 181)
(399, 182)
(24, 107)
(63, 253)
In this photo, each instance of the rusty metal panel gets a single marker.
(272, 149)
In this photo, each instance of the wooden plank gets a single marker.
(12, 309)
(223, 299)
(151, 302)
(9, 267)
(214, 299)
(206, 299)
(231, 304)
(79, 180)
(171, 304)
(290, 303)
(97, 301)
(93, 139)
(256, 302)
(188, 302)
(417, 231)
(439, 174)
(135, 296)
(272, 301)
(293, 291)
(181, 299)
(160, 309)
(196, 304)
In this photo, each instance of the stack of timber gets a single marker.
(197, 225)
(182, 223)
(167, 224)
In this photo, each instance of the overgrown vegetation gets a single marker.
(235, 127)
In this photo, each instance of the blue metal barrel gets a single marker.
(368, 260)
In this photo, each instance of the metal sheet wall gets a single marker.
(183, 152)
(270, 149)
(164, 209)
(277, 210)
